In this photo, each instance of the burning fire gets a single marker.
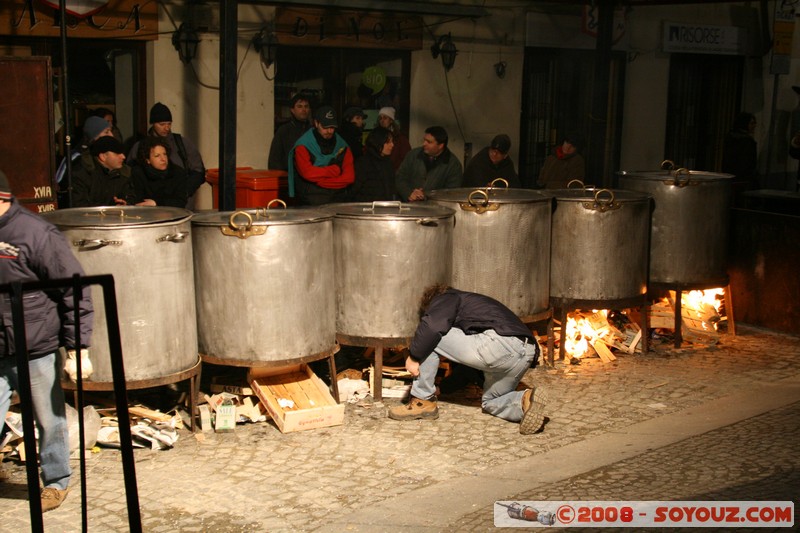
(584, 330)
(703, 306)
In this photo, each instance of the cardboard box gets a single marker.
(296, 398)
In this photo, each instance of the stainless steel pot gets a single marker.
(386, 254)
(501, 244)
(265, 290)
(148, 250)
(689, 225)
(599, 244)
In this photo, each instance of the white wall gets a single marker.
(484, 104)
(195, 105)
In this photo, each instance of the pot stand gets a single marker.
(192, 374)
(379, 344)
(326, 354)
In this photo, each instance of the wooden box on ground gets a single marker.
(296, 398)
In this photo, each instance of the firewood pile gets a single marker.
(597, 332)
(699, 318)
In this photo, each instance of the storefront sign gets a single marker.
(348, 29)
(107, 19)
(703, 39)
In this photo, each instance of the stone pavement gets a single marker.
(717, 422)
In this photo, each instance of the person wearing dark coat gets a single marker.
(352, 130)
(491, 163)
(374, 171)
(477, 331)
(108, 181)
(740, 154)
(287, 134)
(157, 179)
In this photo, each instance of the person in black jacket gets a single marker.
(374, 171)
(106, 181)
(287, 134)
(157, 179)
(479, 332)
(491, 163)
(33, 249)
(352, 130)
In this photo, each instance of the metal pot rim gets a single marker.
(116, 217)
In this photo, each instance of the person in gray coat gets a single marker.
(429, 167)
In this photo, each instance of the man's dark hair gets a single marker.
(430, 293)
(438, 133)
(147, 144)
(301, 97)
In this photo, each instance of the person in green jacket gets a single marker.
(429, 167)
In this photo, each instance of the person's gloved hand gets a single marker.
(71, 364)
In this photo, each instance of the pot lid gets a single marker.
(491, 194)
(389, 210)
(593, 194)
(680, 175)
(121, 216)
(260, 217)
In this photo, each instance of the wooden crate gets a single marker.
(313, 406)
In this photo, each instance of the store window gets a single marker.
(344, 77)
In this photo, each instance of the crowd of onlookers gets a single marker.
(326, 160)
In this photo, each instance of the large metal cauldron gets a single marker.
(386, 254)
(148, 250)
(689, 227)
(501, 245)
(265, 289)
(600, 244)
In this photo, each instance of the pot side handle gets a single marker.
(94, 244)
(179, 236)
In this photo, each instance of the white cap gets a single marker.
(388, 111)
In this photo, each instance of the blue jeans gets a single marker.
(49, 411)
(503, 361)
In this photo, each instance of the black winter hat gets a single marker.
(502, 143)
(160, 113)
(5, 187)
(106, 144)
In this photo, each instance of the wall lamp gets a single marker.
(265, 44)
(185, 40)
(444, 46)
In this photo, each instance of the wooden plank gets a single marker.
(602, 351)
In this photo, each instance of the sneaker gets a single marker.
(533, 402)
(415, 409)
(52, 498)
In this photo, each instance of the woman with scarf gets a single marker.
(564, 165)
(156, 179)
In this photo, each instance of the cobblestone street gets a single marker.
(346, 477)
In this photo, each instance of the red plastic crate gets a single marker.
(254, 187)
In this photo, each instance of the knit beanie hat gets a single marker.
(5, 188)
(388, 111)
(93, 127)
(160, 113)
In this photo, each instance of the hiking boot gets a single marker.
(415, 409)
(533, 402)
(52, 498)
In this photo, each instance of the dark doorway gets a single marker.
(705, 92)
(557, 98)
